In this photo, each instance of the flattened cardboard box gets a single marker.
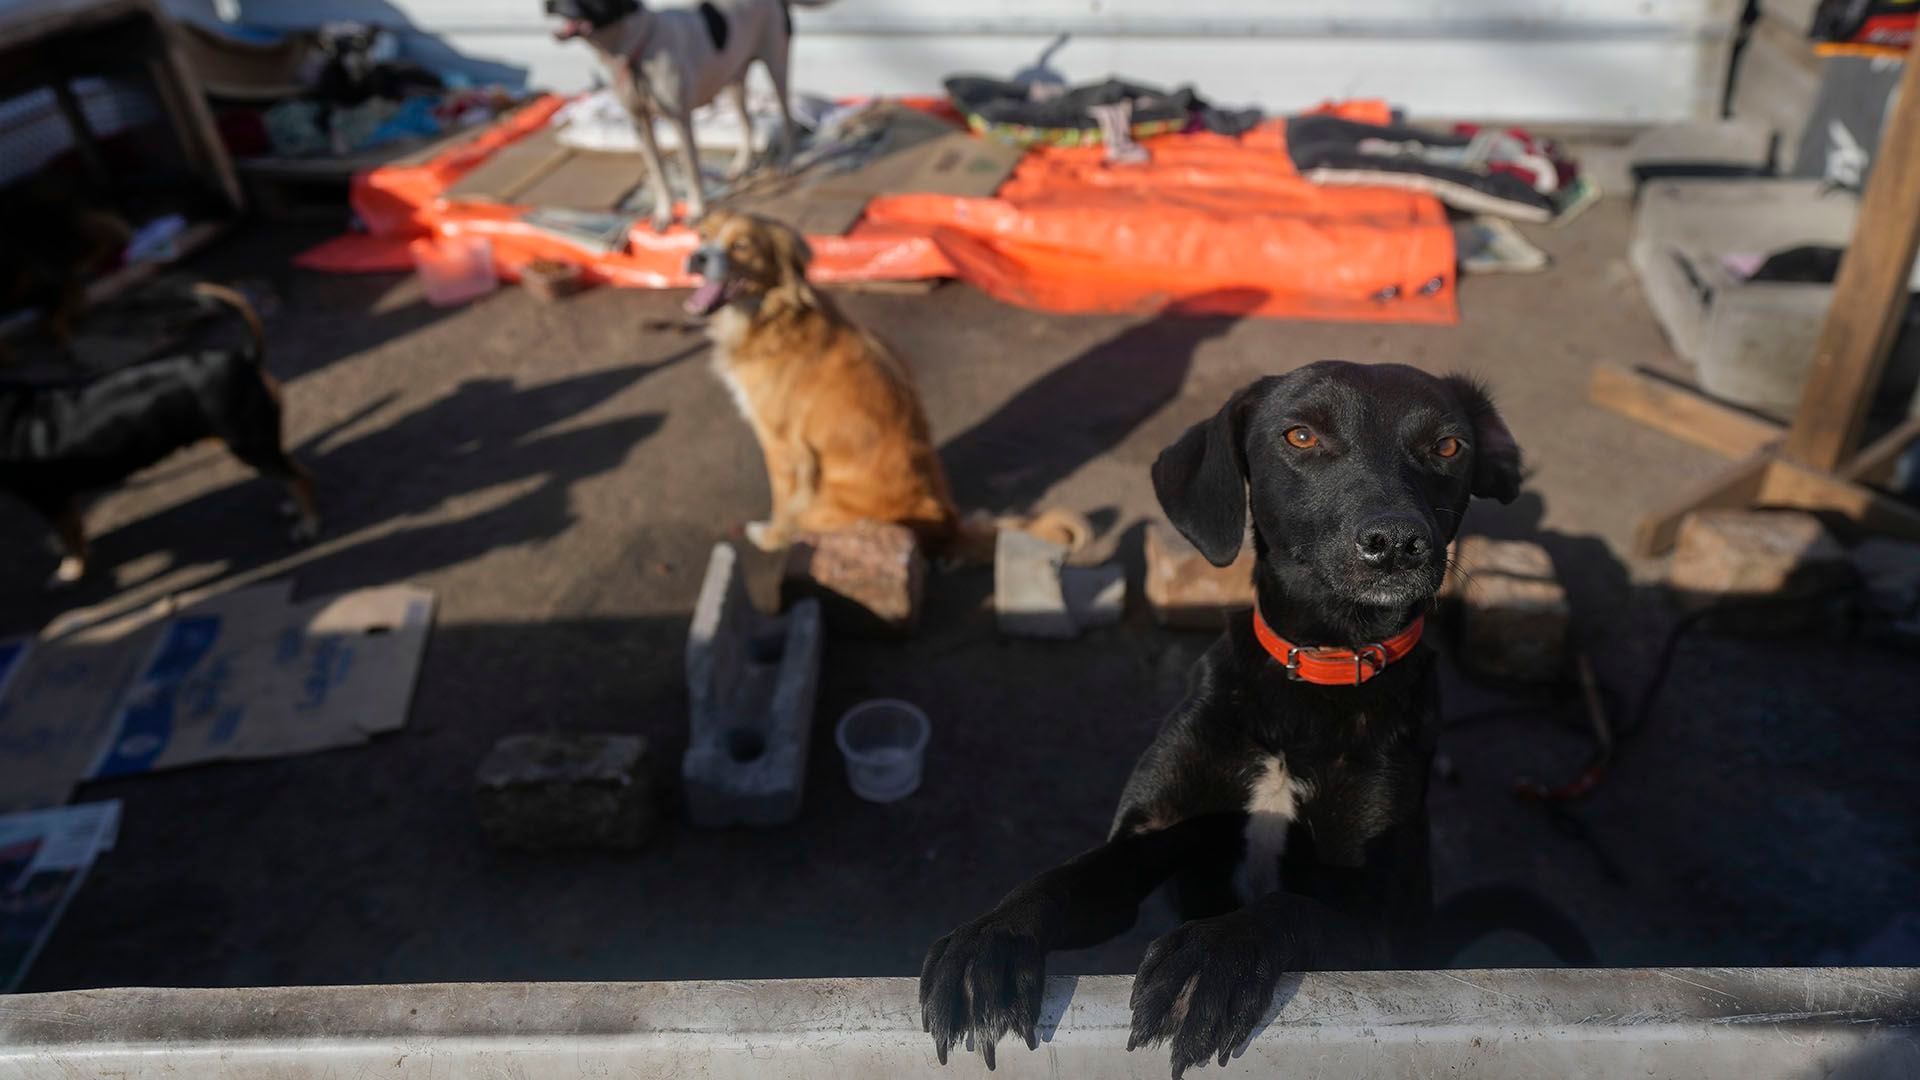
(55, 707)
(268, 680)
(244, 674)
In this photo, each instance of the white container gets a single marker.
(885, 744)
(454, 269)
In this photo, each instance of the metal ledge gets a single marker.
(1851, 1023)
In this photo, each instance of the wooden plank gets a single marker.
(196, 236)
(911, 287)
(1870, 293)
(512, 169)
(1874, 465)
(24, 24)
(1680, 411)
(586, 181)
(1789, 483)
(1737, 485)
(185, 104)
(84, 141)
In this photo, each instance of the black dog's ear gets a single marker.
(1496, 456)
(1201, 481)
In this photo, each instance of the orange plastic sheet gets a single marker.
(1212, 224)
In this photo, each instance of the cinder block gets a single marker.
(1035, 594)
(1514, 615)
(1709, 143)
(1027, 598)
(1776, 83)
(1750, 340)
(557, 791)
(1185, 591)
(1096, 595)
(1782, 566)
(868, 579)
(751, 681)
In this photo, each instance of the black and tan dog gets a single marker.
(59, 441)
(1285, 799)
(51, 241)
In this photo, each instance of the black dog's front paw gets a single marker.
(1205, 986)
(984, 979)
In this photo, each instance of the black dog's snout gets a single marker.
(697, 262)
(1394, 541)
(553, 7)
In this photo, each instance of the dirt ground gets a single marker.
(558, 475)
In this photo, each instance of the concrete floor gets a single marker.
(558, 474)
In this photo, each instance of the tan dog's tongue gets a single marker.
(705, 298)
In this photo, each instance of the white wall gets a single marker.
(1560, 60)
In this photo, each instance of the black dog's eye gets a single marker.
(1449, 447)
(1301, 438)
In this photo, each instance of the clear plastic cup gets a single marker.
(885, 743)
(454, 269)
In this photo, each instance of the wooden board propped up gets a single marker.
(1670, 406)
(1817, 465)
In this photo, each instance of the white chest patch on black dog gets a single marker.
(1273, 804)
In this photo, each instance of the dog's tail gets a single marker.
(978, 532)
(220, 294)
(1466, 917)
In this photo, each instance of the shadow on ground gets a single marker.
(486, 439)
(1764, 816)
(1788, 759)
(1079, 410)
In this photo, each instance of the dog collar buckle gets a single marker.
(1368, 660)
(1326, 665)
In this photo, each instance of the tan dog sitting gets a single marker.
(835, 412)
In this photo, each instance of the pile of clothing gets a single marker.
(1048, 114)
(1881, 24)
(1501, 171)
(358, 92)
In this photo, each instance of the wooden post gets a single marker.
(83, 138)
(1869, 294)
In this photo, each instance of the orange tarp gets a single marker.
(1212, 223)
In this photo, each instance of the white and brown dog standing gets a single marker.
(671, 62)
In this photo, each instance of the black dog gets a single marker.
(1317, 712)
(59, 441)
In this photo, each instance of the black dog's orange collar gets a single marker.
(1326, 665)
